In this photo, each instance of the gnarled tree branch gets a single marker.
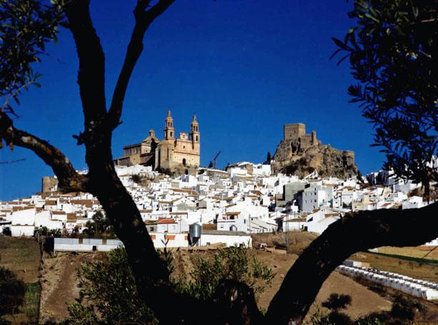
(150, 273)
(69, 180)
(91, 74)
(353, 233)
(143, 17)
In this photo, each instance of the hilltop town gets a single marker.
(247, 198)
(174, 195)
(187, 206)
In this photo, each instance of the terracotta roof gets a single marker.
(166, 221)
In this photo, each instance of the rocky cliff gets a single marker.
(301, 154)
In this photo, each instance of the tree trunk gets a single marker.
(353, 233)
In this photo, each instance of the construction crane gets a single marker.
(212, 163)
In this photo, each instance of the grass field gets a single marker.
(411, 266)
(422, 252)
(22, 256)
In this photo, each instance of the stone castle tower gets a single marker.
(295, 141)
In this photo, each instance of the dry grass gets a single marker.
(429, 252)
(297, 241)
(22, 256)
(412, 268)
(59, 281)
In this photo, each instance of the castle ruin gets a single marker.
(302, 153)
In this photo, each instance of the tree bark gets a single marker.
(150, 273)
(69, 179)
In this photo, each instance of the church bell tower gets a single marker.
(169, 130)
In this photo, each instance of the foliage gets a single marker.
(11, 292)
(268, 158)
(337, 301)
(403, 311)
(231, 263)
(403, 308)
(136, 179)
(99, 226)
(31, 305)
(108, 294)
(44, 231)
(392, 51)
(26, 26)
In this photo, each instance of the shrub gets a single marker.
(11, 292)
(231, 263)
(403, 308)
(108, 293)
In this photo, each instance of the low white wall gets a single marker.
(18, 231)
(173, 241)
(85, 244)
(228, 240)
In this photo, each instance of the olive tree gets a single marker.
(233, 301)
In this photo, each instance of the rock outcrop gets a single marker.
(301, 154)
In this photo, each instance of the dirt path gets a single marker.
(59, 285)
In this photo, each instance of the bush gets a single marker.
(108, 293)
(11, 292)
(403, 308)
(231, 263)
(335, 302)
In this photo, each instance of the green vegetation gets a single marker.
(11, 293)
(403, 311)
(21, 257)
(334, 303)
(231, 263)
(31, 305)
(108, 293)
(99, 226)
(392, 49)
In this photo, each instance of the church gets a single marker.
(172, 154)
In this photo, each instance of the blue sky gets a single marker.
(244, 67)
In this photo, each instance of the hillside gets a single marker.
(59, 281)
(22, 256)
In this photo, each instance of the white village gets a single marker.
(221, 207)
